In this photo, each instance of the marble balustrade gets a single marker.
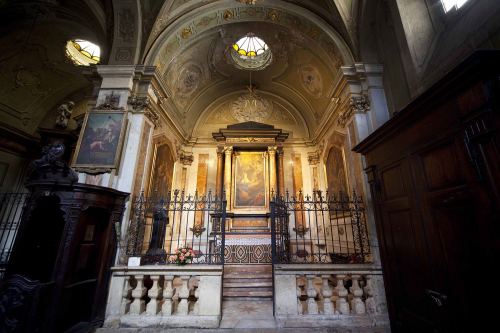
(165, 296)
(327, 294)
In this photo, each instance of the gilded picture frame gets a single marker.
(250, 181)
(100, 142)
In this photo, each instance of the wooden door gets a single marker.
(406, 263)
(432, 208)
(86, 281)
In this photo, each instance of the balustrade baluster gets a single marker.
(168, 292)
(126, 294)
(196, 308)
(357, 304)
(327, 294)
(300, 307)
(153, 293)
(312, 306)
(182, 308)
(369, 294)
(138, 304)
(342, 305)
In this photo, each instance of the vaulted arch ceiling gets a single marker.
(190, 45)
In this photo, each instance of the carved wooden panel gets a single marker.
(441, 167)
(392, 183)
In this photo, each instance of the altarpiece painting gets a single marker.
(250, 181)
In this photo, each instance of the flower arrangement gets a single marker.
(182, 256)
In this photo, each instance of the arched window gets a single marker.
(82, 52)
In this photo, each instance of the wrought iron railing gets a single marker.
(160, 226)
(11, 208)
(322, 228)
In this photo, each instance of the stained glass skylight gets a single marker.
(250, 46)
(83, 52)
(251, 53)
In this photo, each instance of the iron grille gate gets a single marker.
(160, 226)
(322, 228)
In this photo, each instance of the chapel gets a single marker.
(249, 165)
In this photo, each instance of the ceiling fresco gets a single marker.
(198, 68)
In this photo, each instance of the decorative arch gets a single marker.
(206, 113)
(176, 33)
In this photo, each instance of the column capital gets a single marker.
(228, 150)
(313, 157)
(220, 151)
(272, 149)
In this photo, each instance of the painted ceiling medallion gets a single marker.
(311, 80)
(251, 107)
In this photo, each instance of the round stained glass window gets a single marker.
(83, 52)
(251, 52)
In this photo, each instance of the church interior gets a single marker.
(249, 165)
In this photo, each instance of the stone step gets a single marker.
(248, 269)
(247, 276)
(249, 280)
(245, 288)
(247, 293)
(246, 298)
(243, 284)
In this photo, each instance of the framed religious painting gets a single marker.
(162, 171)
(100, 142)
(250, 181)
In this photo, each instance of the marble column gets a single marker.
(220, 170)
(272, 169)
(228, 151)
(281, 172)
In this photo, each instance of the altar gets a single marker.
(249, 173)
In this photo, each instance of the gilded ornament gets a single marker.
(186, 33)
(273, 15)
(228, 15)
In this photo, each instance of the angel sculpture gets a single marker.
(65, 111)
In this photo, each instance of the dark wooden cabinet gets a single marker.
(434, 171)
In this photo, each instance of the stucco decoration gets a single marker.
(251, 107)
(189, 79)
(311, 80)
(191, 75)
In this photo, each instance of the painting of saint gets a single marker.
(336, 173)
(100, 140)
(162, 173)
(250, 180)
